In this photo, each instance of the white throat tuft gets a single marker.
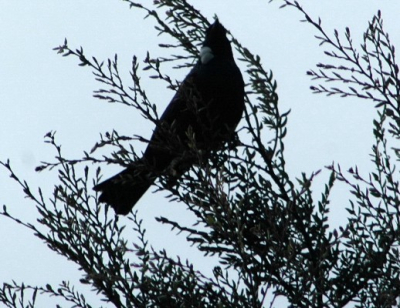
(206, 55)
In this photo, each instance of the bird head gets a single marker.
(216, 44)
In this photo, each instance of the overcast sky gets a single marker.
(42, 91)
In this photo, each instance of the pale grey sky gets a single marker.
(41, 91)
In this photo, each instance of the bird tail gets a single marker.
(123, 190)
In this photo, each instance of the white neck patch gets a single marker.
(206, 55)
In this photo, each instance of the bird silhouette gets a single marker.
(203, 114)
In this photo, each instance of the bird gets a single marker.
(205, 111)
